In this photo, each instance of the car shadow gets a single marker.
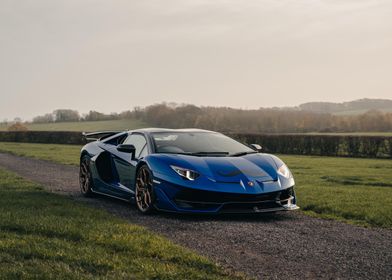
(248, 217)
(130, 208)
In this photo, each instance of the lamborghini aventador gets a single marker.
(185, 170)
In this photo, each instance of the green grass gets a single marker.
(348, 133)
(352, 190)
(85, 126)
(65, 154)
(49, 236)
(357, 191)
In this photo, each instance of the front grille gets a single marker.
(210, 197)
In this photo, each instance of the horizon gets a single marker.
(113, 56)
(82, 113)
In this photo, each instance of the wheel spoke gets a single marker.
(84, 168)
(143, 176)
(147, 198)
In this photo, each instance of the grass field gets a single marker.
(85, 126)
(352, 190)
(65, 154)
(49, 236)
(350, 133)
(134, 124)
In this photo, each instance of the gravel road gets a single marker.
(277, 246)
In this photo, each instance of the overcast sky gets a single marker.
(114, 55)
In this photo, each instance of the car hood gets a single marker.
(252, 167)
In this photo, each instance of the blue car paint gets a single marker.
(218, 174)
(256, 168)
(209, 180)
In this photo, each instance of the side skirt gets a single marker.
(112, 196)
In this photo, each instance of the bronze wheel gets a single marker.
(144, 193)
(85, 178)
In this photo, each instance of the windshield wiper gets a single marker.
(198, 153)
(240, 154)
(209, 153)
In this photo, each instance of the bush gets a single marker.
(17, 127)
(322, 145)
(47, 137)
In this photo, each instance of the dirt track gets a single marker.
(284, 245)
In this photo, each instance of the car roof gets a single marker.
(157, 130)
(148, 131)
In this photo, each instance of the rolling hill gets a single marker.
(355, 107)
(84, 126)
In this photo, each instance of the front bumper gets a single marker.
(200, 201)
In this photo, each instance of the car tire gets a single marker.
(85, 177)
(144, 191)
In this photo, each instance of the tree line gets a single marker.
(236, 120)
(265, 120)
(68, 115)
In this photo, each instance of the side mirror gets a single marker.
(126, 148)
(256, 147)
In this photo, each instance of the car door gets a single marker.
(126, 166)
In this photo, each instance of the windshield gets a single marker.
(197, 143)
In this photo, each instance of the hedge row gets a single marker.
(47, 137)
(321, 145)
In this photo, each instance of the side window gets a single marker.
(143, 153)
(139, 142)
(117, 140)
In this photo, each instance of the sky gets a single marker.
(114, 55)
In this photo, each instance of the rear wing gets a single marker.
(94, 136)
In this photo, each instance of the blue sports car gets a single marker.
(185, 170)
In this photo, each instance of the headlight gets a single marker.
(284, 171)
(185, 173)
